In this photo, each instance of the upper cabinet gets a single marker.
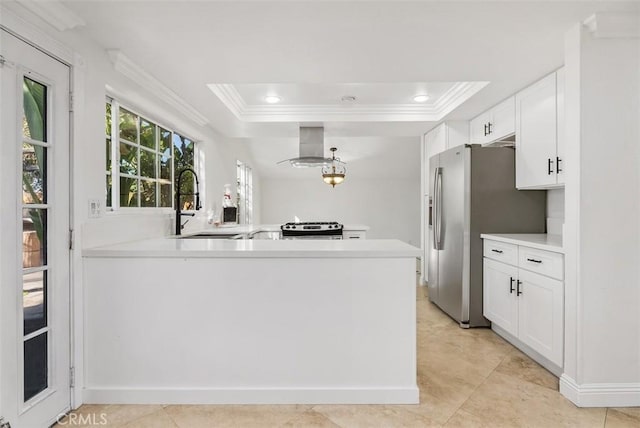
(494, 124)
(540, 134)
(443, 137)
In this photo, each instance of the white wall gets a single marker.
(391, 208)
(92, 71)
(602, 240)
(555, 211)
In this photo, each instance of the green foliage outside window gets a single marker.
(150, 158)
(34, 161)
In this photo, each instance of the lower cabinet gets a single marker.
(540, 314)
(527, 305)
(500, 299)
(354, 234)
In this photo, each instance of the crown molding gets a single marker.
(54, 13)
(133, 71)
(21, 27)
(613, 25)
(456, 95)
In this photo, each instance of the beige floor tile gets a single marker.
(623, 417)
(110, 415)
(462, 419)
(220, 416)
(367, 416)
(631, 411)
(120, 414)
(84, 416)
(520, 366)
(507, 401)
(471, 354)
(158, 419)
(310, 419)
(441, 394)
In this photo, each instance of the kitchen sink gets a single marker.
(212, 236)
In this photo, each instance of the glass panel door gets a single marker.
(34, 237)
(34, 231)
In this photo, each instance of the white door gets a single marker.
(500, 301)
(560, 165)
(478, 128)
(541, 314)
(536, 134)
(34, 235)
(503, 120)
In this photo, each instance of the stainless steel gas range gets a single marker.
(312, 230)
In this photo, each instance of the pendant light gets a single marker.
(334, 174)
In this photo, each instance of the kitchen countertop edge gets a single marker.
(540, 241)
(204, 248)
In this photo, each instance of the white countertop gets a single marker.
(541, 241)
(256, 248)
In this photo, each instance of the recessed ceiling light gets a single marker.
(272, 99)
(421, 98)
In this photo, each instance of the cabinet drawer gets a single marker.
(506, 253)
(542, 262)
(354, 234)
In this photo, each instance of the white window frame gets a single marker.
(115, 173)
(244, 175)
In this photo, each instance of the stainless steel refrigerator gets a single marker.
(472, 191)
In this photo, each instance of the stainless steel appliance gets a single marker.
(312, 230)
(472, 191)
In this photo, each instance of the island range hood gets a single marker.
(311, 149)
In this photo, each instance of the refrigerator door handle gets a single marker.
(435, 209)
(439, 208)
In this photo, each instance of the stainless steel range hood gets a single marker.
(311, 149)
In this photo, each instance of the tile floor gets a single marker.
(467, 378)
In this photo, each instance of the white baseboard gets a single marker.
(600, 394)
(409, 395)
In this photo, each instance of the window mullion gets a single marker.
(115, 155)
(173, 173)
(139, 153)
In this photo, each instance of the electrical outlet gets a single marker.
(94, 208)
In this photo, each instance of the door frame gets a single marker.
(44, 42)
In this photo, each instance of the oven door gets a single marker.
(313, 236)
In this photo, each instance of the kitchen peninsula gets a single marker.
(250, 321)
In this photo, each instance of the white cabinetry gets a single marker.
(540, 314)
(442, 137)
(523, 297)
(500, 301)
(494, 124)
(354, 234)
(540, 133)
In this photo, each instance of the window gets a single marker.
(143, 159)
(244, 193)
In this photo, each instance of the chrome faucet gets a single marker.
(179, 213)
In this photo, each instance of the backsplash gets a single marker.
(116, 228)
(555, 211)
